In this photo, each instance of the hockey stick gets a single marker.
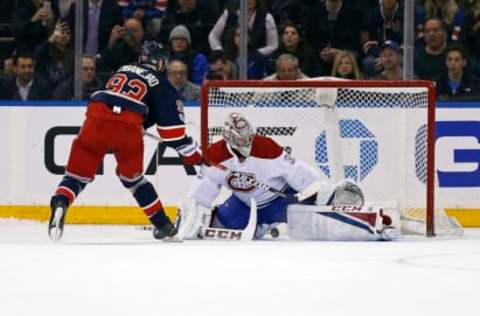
(294, 198)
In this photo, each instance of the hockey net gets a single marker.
(378, 133)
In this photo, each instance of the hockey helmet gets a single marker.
(238, 133)
(152, 54)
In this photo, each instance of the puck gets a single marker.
(274, 232)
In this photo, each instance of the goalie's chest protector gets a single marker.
(264, 165)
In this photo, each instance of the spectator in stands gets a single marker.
(197, 18)
(55, 57)
(64, 7)
(345, 66)
(8, 67)
(471, 33)
(123, 46)
(177, 73)
(430, 60)
(391, 60)
(382, 23)
(90, 83)
(332, 27)
(219, 64)
(149, 12)
(448, 11)
(211, 5)
(24, 85)
(291, 11)
(99, 18)
(287, 68)
(262, 30)
(457, 83)
(256, 63)
(32, 22)
(180, 49)
(292, 43)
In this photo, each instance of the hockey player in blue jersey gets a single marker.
(136, 95)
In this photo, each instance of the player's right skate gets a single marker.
(57, 218)
(167, 230)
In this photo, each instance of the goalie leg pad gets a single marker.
(192, 217)
(307, 222)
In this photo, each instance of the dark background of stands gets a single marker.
(7, 42)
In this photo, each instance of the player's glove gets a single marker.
(194, 159)
(191, 154)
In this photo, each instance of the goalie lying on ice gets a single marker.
(254, 166)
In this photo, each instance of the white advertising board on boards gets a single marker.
(36, 140)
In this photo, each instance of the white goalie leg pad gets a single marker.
(192, 218)
(339, 222)
(219, 233)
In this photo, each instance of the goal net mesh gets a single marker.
(374, 133)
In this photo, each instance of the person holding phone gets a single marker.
(33, 21)
(124, 45)
(56, 55)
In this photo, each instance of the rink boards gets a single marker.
(36, 139)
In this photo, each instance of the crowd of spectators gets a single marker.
(287, 40)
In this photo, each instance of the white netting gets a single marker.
(376, 135)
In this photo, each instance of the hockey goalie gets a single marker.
(262, 177)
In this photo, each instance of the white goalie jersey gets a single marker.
(268, 163)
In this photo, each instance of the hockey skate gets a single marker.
(167, 230)
(57, 218)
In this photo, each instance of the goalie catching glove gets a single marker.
(348, 192)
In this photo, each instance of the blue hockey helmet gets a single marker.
(154, 54)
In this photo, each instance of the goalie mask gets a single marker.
(238, 133)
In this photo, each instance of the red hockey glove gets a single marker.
(194, 159)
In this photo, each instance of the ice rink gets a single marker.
(121, 270)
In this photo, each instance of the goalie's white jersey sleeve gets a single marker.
(267, 163)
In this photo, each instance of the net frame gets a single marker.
(431, 99)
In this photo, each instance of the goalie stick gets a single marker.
(294, 198)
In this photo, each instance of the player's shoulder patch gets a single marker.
(265, 147)
(218, 152)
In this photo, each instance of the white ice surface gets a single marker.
(120, 270)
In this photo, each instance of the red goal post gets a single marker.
(380, 133)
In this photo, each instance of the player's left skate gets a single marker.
(57, 218)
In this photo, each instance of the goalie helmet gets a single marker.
(152, 54)
(238, 133)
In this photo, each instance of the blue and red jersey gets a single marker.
(140, 89)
